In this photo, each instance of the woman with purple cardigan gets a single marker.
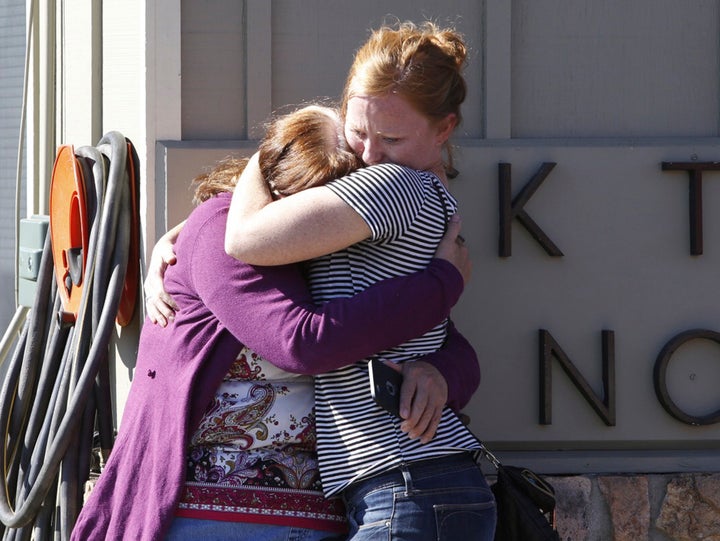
(217, 437)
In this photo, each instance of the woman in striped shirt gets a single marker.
(401, 103)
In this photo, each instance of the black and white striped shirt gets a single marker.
(407, 212)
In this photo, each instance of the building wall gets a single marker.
(606, 93)
(589, 99)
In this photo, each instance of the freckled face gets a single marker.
(382, 129)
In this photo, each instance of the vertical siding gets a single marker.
(312, 45)
(556, 69)
(610, 69)
(213, 80)
(12, 60)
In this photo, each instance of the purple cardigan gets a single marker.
(223, 304)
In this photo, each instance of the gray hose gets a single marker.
(56, 390)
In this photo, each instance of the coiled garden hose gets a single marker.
(55, 395)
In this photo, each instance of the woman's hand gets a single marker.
(159, 305)
(423, 396)
(452, 248)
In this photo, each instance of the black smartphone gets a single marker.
(385, 383)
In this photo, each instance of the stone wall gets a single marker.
(680, 507)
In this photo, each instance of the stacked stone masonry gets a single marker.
(682, 507)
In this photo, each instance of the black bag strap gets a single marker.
(495, 461)
(533, 485)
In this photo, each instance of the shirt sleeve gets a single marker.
(270, 309)
(457, 361)
(388, 197)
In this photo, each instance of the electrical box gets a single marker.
(33, 231)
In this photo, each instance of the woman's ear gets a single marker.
(445, 127)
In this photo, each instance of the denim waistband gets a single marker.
(409, 473)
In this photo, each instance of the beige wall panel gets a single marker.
(618, 68)
(623, 226)
(178, 163)
(213, 70)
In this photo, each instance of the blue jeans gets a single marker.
(443, 499)
(185, 529)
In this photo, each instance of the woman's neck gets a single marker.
(439, 171)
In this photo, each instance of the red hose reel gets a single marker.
(69, 235)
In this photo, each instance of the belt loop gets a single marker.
(409, 488)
